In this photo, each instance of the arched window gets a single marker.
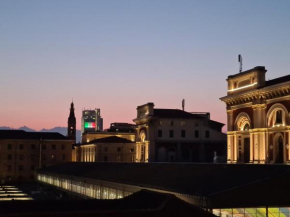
(246, 127)
(243, 122)
(279, 117)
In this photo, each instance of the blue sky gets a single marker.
(117, 55)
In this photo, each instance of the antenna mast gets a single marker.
(241, 62)
(183, 104)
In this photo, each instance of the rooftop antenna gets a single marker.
(241, 62)
(183, 104)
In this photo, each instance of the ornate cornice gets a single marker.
(260, 95)
(259, 106)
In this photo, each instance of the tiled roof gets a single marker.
(21, 134)
(277, 80)
(177, 113)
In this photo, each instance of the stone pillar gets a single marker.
(262, 144)
(229, 149)
(230, 121)
(149, 156)
(288, 145)
(266, 147)
(256, 148)
(251, 147)
(151, 145)
(259, 115)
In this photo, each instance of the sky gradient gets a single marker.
(116, 55)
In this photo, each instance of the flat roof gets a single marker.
(142, 203)
(110, 139)
(205, 180)
(21, 134)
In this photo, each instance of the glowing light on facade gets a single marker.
(238, 88)
(90, 125)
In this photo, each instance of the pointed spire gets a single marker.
(72, 122)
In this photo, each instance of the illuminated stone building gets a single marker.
(122, 130)
(107, 149)
(22, 153)
(173, 135)
(258, 117)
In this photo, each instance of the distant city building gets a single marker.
(173, 135)
(71, 122)
(107, 149)
(258, 117)
(121, 127)
(92, 121)
(116, 144)
(22, 153)
(122, 130)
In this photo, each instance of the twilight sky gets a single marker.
(118, 54)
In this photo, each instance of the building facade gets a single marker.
(89, 136)
(92, 121)
(258, 120)
(122, 130)
(173, 135)
(22, 153)
(107, 149)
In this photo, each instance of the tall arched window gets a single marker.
(246, 127)
(243, 122)
(279, 117)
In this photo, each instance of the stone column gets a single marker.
(259, 115)
(288, 145)
(262, 144)
(230, 149)
(266, 147)
(230, 121)
(256, 148)
(151, 144)
(236, 148)
(149, 157)
(251, 147)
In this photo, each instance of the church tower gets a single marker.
(71, 128)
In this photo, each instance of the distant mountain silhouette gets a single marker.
(27, 129)
(61, 130)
